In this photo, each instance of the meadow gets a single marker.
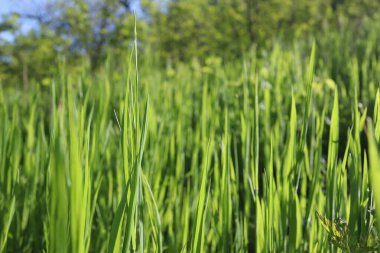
(265, 154)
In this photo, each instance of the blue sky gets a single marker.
(29, 6)
(9, 6)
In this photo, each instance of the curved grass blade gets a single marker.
(135, 181)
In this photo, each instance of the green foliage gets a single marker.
(340, 236)
(180, 31)
(223, 161)
(226, 155)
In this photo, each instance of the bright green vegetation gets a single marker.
(176, 30)
(220, 157)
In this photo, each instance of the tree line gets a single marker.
(169, 31)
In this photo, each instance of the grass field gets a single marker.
(265, 155)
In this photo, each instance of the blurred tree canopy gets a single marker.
(172, 30)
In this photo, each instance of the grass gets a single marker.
(221, 157)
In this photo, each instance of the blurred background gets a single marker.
(34, 33)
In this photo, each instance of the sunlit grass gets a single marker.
(217, 158)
